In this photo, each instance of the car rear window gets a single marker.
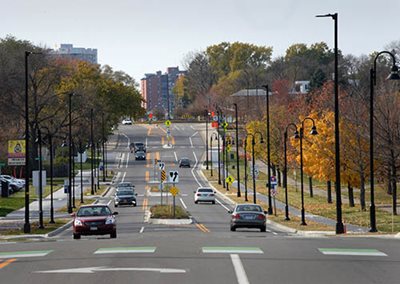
(249, 208)
(93, 211)
(125, 192)
(205, 190)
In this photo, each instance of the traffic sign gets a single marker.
(174, 190)
(229, 179)
(163, 175)
(273, 181)
(225, 125)
(167, 123)
(228, 148)
(173, 177)
(161, 165)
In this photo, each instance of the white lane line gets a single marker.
(183, 203)
(146, 143)
(127, 145)
(105, 268)
(125, 250)
(191, 126)
(109, 202)
(127, 159)
(123, 177)
(191, 142)
(194, 154)
(141, 230)
(220, 203)
(239, 269)
(358, 252)
(195, 133)
(176, 157)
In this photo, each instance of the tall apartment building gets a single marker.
(69, 51)
(157, 90)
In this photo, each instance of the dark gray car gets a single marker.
(248, 216)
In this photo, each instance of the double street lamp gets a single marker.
(301, 135)
(285, 169)
(394, 75)
(253, 142)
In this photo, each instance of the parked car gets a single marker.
(94, 219)
(184, 163)
(248, 216)
(127, 121)
(10, 191)
(140, 155)
(204, 194)
(14, 183)
(125, 197)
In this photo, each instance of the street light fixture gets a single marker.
(253, 142)
(207, 121)
(237, 150)
(394, 75)
(313, 132)
(245, 169)
(339, 221)
(268, 153)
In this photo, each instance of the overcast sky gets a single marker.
(143, 36)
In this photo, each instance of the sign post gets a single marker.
(163, 177)
(274, 191)
(174, 191)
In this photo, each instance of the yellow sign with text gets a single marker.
(16, 148)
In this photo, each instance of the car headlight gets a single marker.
(110, 220)
(78, 222)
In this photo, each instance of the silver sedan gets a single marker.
(248, 216)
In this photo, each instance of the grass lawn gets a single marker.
(35, 227)
(166, 212)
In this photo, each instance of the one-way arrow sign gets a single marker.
(173, 177)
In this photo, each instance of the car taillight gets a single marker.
(211, 194)
(260, 217)
(198, 194)
(236, 216)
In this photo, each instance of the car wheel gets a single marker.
(233, 228)
(134, 205)
(196, 202)
(113, 235)
(77, 236)
(263, 229)
(115, 205)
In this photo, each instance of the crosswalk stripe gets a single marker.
(347, 251)
(17, 254)
(126, 250)
(232, 250)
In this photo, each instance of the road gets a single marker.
(203, 252)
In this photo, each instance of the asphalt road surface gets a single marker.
(205, 251)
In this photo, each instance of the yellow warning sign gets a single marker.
(163, 175)
(229, 179)
(174, 190)
(167, 123)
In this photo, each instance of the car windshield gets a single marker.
(185, 160)
(124, 184)
(139, 153)
(94, 211)
(125, 193)
(242, 208)
(205, 190)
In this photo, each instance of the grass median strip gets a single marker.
(349, 251)
(126, 250)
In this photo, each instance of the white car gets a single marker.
(204, 194)
(127, 121)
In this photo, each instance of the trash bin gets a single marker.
(4, 189)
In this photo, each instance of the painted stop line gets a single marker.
(346, 251)
(103, 269)
(126, 250)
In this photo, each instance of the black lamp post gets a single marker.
(207, 121)
(98, 166)
(70, 152)
(285, 170)
(103, 140)
(237, 150)
(51, 180)
(81, 164)
(73, 175)
(313, 132)
(268, 153)
(215, 136)
(394, 75)
(339, 222)
(253, 142)
(92, 152)
(245, 169)
(219, 154)
(39, 140)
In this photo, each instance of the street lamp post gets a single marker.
(207, 121)
(81, 164)
(253, 142)
(40, 180)
(98, 165)
(92, 154)
(103, 144)
(215, 136)
(339, 221)
(268, 153)
(51, 180)
(285, 169)
(393, 76)
(73, 175)
(70, 152)
(245, 169)
(313, 132)
(237, 150)
(219, 154)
